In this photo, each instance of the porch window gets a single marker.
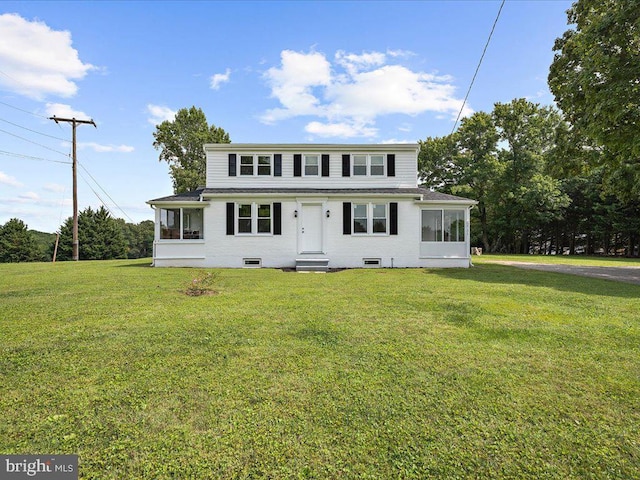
(169, 223)
(192, 223)
(443, 225)
(181, 224)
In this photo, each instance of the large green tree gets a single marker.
(595, 78)
(181, 144)
(100, 236)
(17, 243)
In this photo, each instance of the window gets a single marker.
(246, 164)
(311, 165)
(377, 212)
(379, 218)
(360, 218)
(264, 165)
(443, 226)
(170, 223)
(244, 218)
(181, 224)
(359, 165)
(191, 223)
(251, 165)
(377, 164)
(264, 218)
(364, 165)
(454, 226)
(254, 218)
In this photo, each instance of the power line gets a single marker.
(96, 194)
(25, 111)
(29, 157)
(35, 143)
(478, 67)
(34, 131)
(105, 192)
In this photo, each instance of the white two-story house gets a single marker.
(311, 206)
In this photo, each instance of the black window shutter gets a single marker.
(277, 165)
(277, 218)
(393, 218)
(297, 165)
(325, 165)
(346, 165)
(391, 165)
(346, 218)
(232, 164)
(231, 210)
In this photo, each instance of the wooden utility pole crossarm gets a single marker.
(74, 122)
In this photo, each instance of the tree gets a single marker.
(139, 238)
(181, 144)
(595, 78)
(100, 236)
(17, 243)
(529, 197)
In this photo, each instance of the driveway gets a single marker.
(618, 274)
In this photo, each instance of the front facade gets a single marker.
(311, 205)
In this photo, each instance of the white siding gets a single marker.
(218, 173)
(281, 251)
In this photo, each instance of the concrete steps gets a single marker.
(312, 264)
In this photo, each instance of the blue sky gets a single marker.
(265, 71)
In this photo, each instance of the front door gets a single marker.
(310, 233)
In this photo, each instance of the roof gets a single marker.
(312, 147)
(192, 196)
(426, 195)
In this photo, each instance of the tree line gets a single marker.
(101, 237)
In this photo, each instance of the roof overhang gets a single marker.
(312, 147)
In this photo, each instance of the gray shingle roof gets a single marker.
(194, 195)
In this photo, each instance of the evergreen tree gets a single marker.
(17, 243)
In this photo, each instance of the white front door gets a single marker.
(310, 233)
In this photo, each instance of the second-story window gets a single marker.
(251, 165)
(311, 163)
(365, 165)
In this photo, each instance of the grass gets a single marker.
(489, 372)
(597, 261)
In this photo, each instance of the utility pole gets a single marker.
(74, 123)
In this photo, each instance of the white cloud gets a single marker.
(343, 129)
(220, 78)
(28, 197)
(54, 187)
(395, 141)
(38, 61)
(159, 114)
(105, 148)
(293, 82)
(64, 111)
(9, 180)
(350, 94)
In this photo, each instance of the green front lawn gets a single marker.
(559, 260)
(489, 372)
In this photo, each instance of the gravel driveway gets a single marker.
(618, 274)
